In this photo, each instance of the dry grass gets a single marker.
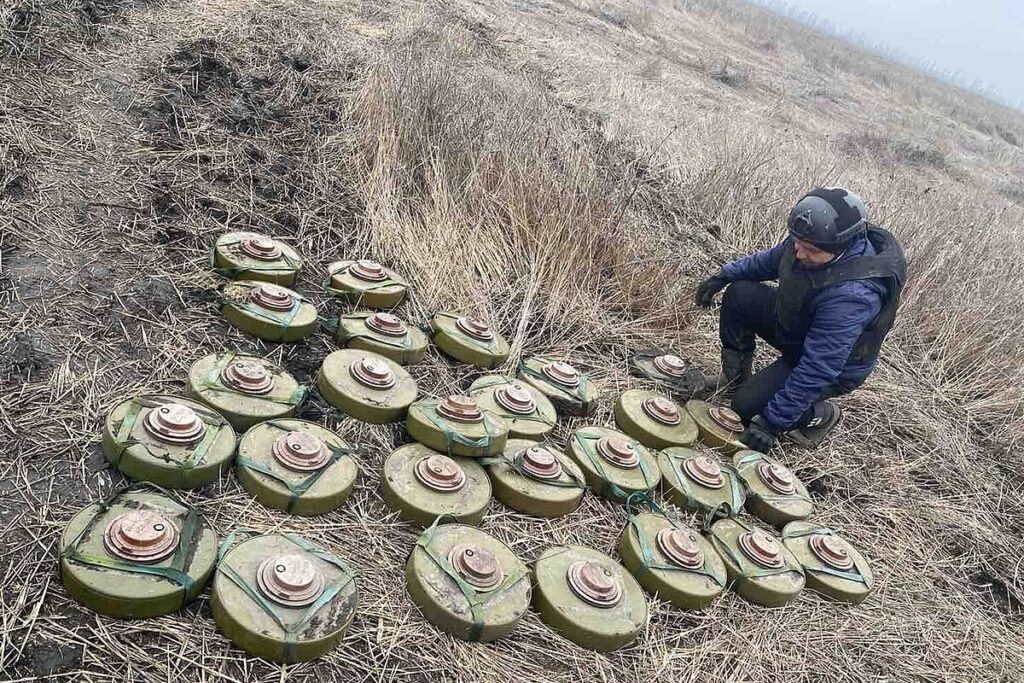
(526, 162)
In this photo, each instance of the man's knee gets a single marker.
(740, 295)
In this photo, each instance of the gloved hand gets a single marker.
(707, 289)
(759, 435)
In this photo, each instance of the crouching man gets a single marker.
(839, 284)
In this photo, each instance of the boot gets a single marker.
(736, 369)
(826, 417)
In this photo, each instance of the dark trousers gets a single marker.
(749, 311)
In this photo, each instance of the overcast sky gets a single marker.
(981, 39)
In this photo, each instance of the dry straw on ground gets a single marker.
(566, 169)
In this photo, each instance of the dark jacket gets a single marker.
(836, 317)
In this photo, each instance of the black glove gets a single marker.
(707, 289)
(759, 435)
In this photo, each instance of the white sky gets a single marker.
(981, 39)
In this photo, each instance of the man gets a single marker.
(839, 284)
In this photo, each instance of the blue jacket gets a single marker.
(839, 314)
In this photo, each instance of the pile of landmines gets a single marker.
(142, 552)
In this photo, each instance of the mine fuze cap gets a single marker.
(830, 218)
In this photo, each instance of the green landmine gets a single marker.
(168, 441)
(571, 391)
(246, 390)
(535, 479)
(384, 334)
(653, 420)
(468, 340)
(676, 375)
(457, 426)
(700, 483)
(588, 597)
(422, 485)
(366, 386)
(366, 283)
(468, 583)
(296, 466)
(774, 493)
(614, 464)
(267, 311)
(832, 566)
(252, 256)
(719, 427)
(672, 561)
(137, 555)
(527, 413)
(283, 598)
(762, 570)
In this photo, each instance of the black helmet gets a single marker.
(830, 218)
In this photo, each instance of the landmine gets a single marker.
(762, 569)
(676, 375)
(615, 465)
(369, 387)
(422, 485)
(246, 390)
(718, 427)
(283, 598)
(168, 440)
(296, 466)
(700, 483)
(588, 597)
(384, 334)
(267, 311)
(832, 566)
(569, 390)
(468, 340)
(672, 561)
(467, 582)
(536, 479)
(654, 420)
(136, 555)
(527, 413)
(775, 494)
(457, 426)
(252, 256)
(366, 283)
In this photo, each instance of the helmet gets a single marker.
(830, 218)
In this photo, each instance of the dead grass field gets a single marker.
(565, 168)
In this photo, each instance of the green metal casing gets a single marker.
(240, 409)
(469, 439)
(642, 365)
(457, 344)
(536, 425)
(264, 323)
(631, 418)
(762, 502)
(578, 401)
(686, 492)
(367, 404)
(353, 332)
(380, 295)
(532, 496)
(850, 585)
(766, 587)
(419, 504)
(606, 479)
(228, 259)
(711, 433)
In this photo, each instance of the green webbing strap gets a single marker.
(578, 393)
(476, 601)
(568, 478)
(296, 490)
(504, 414)
(392, 281)
(232, 271)
(633, 503)
(489, 345)
(740, 561)
(213, 384)
(725, 509)
(291, 633)
(124, 440)
(825, 531)
(585, 444)
(429, 410)
(753, 457)
(174, 572)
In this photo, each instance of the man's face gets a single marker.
(811, 256)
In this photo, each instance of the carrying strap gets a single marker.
(587, 444)
(577, 393)
(213, 383)
(635, 503)
(492, 426)
(795, 497)
(176, 571)
(856, 575)
(729, 508)
(291, 631)
(747, 567)
(296, 489)
(193, 456)
(261, 267)
(477, 601)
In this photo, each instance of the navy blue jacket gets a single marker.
(839, 314)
